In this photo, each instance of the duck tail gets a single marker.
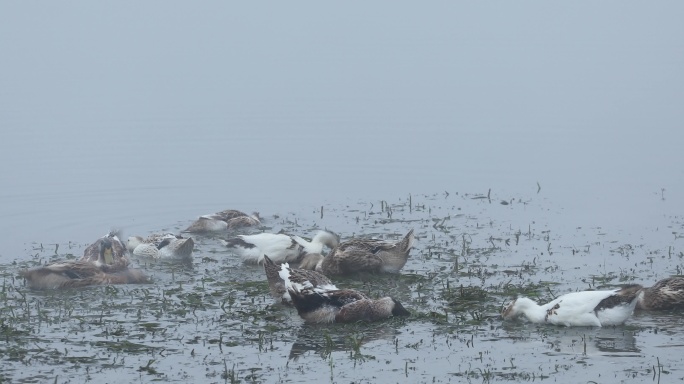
(275, 284)
(407, 242)
(271, 269)
(187, 247)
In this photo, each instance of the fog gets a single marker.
(115, 112)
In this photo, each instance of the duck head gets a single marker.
(518, 306)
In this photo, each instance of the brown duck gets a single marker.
(357, 255)
(666, 294)
(71, 274)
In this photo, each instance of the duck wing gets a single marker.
(352, 260)
(278, 247)
(622, 297)
(577, 308)
(73, 269)
(341, 297)
(301, 276)
(60, 275)
(242, 221)
(376, 245)
(368, 245)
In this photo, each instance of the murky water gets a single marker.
(527, 162)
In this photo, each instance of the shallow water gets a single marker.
(215, 321)
(527, 162)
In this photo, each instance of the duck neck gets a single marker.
(534, 312)
(313, 246)
(325, 238)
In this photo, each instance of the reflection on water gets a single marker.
(323, 340)
(586, 341)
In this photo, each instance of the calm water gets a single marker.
(144, 120)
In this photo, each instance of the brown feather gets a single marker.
(92, 252)
(666, 294)
(369, 255)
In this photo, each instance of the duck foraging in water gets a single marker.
(72, 274)
(579, 309)
(369, 255)
(277, 285)
(324, 304)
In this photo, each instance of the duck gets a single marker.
(369, 255)
(223, 221)
(324, 304)
(81, 273)
(164, 246)
(116, 252)
(666, 294)
(277, 285)
(579, 309)
(280, 247)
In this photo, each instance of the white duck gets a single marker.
(278, 246)
(167, 246)
(579, 309)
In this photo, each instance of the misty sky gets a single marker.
(525, 62)
(293, 101)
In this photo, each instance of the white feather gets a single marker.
(276, 245)
(572, 309)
